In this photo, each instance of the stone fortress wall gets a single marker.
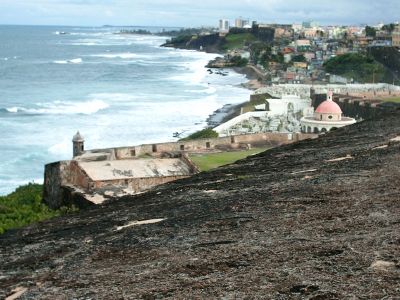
(356, 90)
(68, 182)
(230, 142)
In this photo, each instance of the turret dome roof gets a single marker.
(78, 137)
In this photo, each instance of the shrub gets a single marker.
(24, 206)
(202, 134)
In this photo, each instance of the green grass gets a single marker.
(235, 41)
(249, 106)
(361, 68)
(201, 134)
(210, 161)
(25, 206)
(395, 99)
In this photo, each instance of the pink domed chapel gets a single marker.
(327, 116)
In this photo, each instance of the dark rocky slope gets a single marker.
(315, 220)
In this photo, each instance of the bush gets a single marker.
(357, 66)
(24, 206)
(238, 61)
(182, 39)
(202, 134)
(299, 58)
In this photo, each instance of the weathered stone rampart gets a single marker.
(71, 182)
(234, 142)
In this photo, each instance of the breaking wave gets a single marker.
(126, 55)
(71, 61)
(62, 108)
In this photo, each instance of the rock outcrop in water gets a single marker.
(314, 220)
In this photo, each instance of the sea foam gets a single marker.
(71, 61)
(63, 108)
(116, 55)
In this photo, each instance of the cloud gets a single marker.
(194, 13)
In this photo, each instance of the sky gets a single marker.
(194, 13)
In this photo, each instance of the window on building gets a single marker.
(133, 152)
(330, 117)
(182, 147)
(208, 145)
(154, 148)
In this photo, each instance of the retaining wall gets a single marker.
(258, 139)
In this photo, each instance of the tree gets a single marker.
(389, 27)
(357, 66)
(370, 31)
(238, 61)
(299, 58)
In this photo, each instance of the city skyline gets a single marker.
(186, 13)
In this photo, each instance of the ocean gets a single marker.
(117, 90)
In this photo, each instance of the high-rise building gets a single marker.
(245, 23)
(223, 25)
(396, 37)
(239, 23)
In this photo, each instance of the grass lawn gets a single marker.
(394, 99)
(235, 41)
(249, 106)
(210, 161)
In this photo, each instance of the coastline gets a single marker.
(228, 111)
(135, 93)
(185, 97)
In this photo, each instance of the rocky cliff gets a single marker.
(318, 219)
(209, 43)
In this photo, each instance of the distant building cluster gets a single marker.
(225, 25)
(300, 50)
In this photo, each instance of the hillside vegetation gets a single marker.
(238, 41)
(201, 134)
(359, 67)
(23, 207)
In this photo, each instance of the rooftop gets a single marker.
(329, 107)
(77, 137)
(135, 168)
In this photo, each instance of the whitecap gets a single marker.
(115, 97)
(63, 108)
(75, 60)
(70, 61)
(116, 55)
(13, 109)
(61, 148)
(62, 62)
